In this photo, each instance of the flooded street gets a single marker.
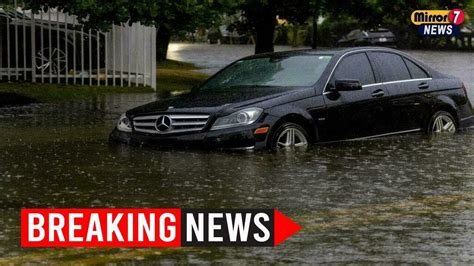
(402, 199)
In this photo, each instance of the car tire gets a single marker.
(289, 135)
(442, 122)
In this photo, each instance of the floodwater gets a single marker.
(403, 199)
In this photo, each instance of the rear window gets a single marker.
(390, 67)
(415, 71)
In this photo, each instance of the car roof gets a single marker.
(334, 51)
(337, 53)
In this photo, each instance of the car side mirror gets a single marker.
(348, 85)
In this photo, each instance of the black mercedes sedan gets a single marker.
(292, 99)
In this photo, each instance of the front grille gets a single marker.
(179, 123)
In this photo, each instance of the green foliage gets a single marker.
(100, 14)
(332, 29)
(296, 11)
(176, 15)
(470, 12)
(188, 15)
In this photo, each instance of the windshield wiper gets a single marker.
(251, 86)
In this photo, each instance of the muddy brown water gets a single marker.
(399, 199)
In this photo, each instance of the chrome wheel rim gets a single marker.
(444, 124)
(57, 63)
(291, 137)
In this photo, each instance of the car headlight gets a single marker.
(240, 118)
(124, 124)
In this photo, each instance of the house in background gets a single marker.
(52, 47)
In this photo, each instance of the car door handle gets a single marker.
(423, 86)
(378, 93)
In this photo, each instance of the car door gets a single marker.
(407, 83)
(354, 114)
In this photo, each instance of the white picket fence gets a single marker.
(52, 47)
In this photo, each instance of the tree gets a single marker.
(169, 16)
(101, 14)
(261, 18)
(182, 15)
(316, 8)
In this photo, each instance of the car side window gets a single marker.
(390, 67)
(415, 71)
(356, 66)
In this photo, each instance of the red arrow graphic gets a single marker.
(284, 227)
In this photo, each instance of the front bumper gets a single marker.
(240, 138)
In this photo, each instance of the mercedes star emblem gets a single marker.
(163, 123)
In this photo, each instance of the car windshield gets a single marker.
(276, 71)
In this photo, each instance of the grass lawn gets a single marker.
(171, 76)
(175, 76)
(50, 93)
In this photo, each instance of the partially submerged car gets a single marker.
(375, 37)
(291, 99)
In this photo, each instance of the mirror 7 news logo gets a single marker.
(432, 23)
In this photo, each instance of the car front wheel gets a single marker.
(442, 123)
(290, 135)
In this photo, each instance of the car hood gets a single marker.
(212, 102)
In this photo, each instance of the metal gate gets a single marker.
(52, 47)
